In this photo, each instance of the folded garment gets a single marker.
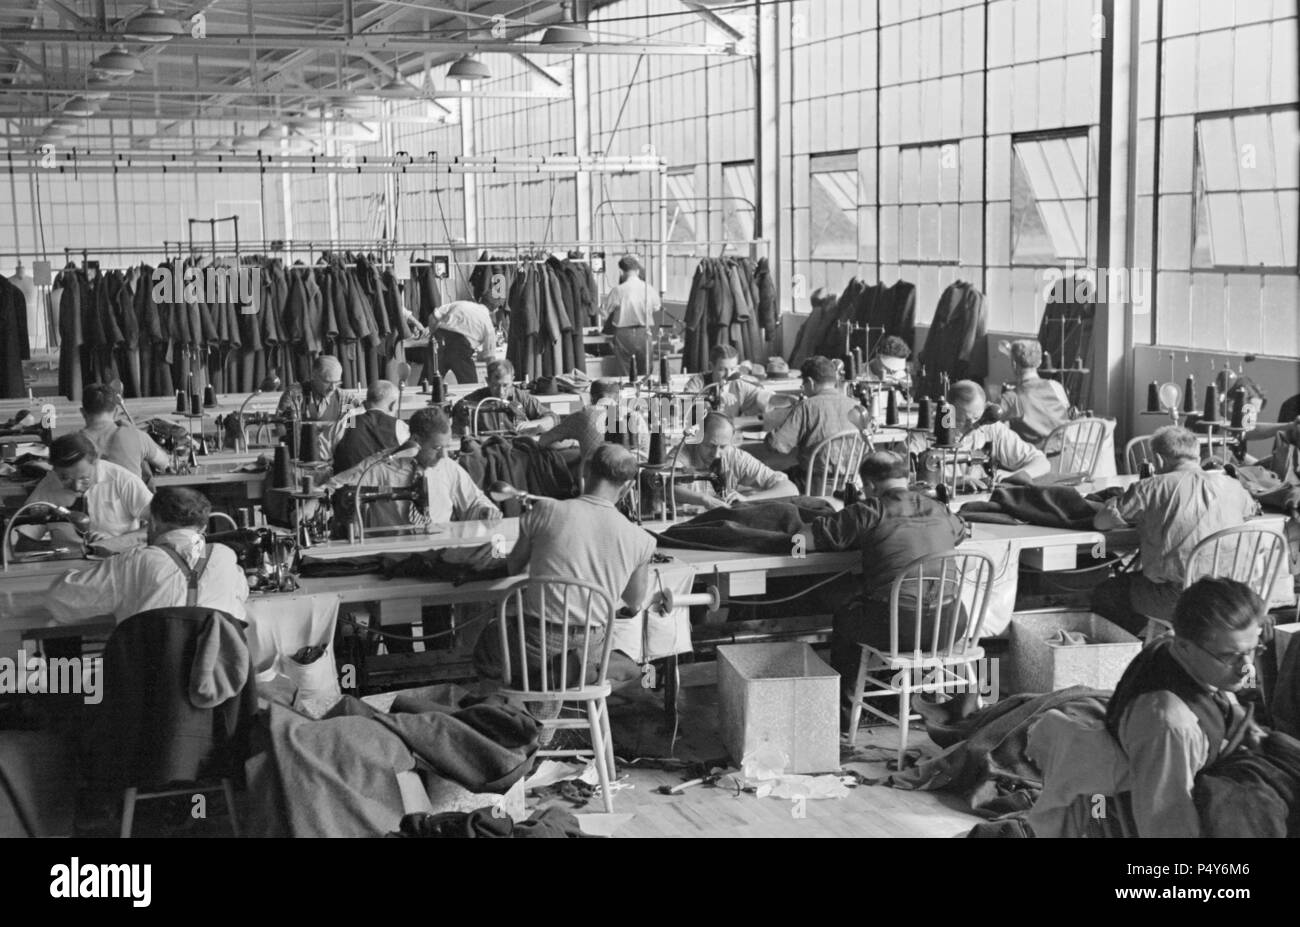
(1046, 506)
(449, 565)
(759, 527)
(1063, 638)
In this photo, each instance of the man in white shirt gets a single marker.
(629, 312)
(114, 499)
(463, 328)
(1012, 459)
(738, 394)
(739, 475)
(162, 575)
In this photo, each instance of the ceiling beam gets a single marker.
(538, 69)
(714, 20)
(326, 93)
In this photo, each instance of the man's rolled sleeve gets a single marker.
(1166, 748)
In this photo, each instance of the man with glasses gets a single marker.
(319, 401)
(114, 499)
(1175, 710)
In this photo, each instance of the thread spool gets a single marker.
(1238, 407)
(1153, 397)
(942, 431)
(308, 443)
(1047, 361)
(282, 468)
(209, 397)
(1189, 395)
(923, 414)
(857, 361)
(709, 597)
(850, 371)
(196, 404)
(308, 484)
(437, 391)
(1211, 413)
(663, 370)
(631, 370)
(424, 387)
(891, 408)
(180, 402)
(656, 448)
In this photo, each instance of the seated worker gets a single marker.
(738, 394)
(463, 329)
(376, 428)
(115, 499)
(120, 442)
(741, 475)
(586, 429)
(823, 413)
(522, 413)
(1175, 711)
(161, 575)
(1012, 459)
(320, 401)
(1173, 511)
(586, 539)
(890, 363)
(452, 493)
(892, 526)
(1033, 407)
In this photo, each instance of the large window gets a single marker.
(1247, 190)
(1051, 182)
(681, 196)
(738, 205)
(833, 202)
(929, 191)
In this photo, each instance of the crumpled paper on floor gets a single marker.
(764, 771)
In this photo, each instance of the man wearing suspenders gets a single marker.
(177, 568)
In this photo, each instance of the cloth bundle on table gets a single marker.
(522, 463)
(1046, 506)
(338, 776)
(957, 343)
(765, 527)
(723, 308)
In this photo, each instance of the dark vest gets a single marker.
(1155, 670)
(372, 431)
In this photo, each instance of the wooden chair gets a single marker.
(545, 600)
(1245, 553)
(1137, 452)
(1073, 449)
(949, 595)
(839, 457)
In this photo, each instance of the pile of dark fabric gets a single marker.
(757, 527)
(1252, 793)
(486, 822)
(457, 565)
(984, 758)
(1272, 493)
(337, 776)
(890, 309)
(1045, 506)
(521, 462)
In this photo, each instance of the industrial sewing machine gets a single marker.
(268, 557)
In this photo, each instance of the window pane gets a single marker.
(681, 206)
(737, 208)
(833, 224)
(1218, 154)
(1051, 178)
(1263, 229)
(1254, 153)
(1225, 228)
(1286, 148)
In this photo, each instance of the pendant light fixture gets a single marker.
(153, 25)
(117, 62)
(80, 106)
(467, 67)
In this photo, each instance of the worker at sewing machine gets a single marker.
(375, 428)
(1009, 459)
(319, 401)
(451, 492)
(514, 410)
(463, 329)
(1033, 407)
(119, 442)
(823, 413)
(177, 568)
(114, 499)
(583, 431)
(738, 393)
(737, 475)
(889, 365)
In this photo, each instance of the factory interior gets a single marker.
(649, 418)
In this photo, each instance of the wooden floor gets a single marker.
(867, 811)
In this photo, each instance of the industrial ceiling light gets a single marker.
(53, 133)
(80, 106)
(567, 38)
(153, 25)
(270, 131)
(116, 63)
(399, 87)
(66, 123)
(468, 67)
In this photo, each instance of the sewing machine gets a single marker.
(268, 557)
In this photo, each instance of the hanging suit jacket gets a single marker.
(958, 342)
(14, 346)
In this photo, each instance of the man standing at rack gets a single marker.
(463, 329)
(628, 313)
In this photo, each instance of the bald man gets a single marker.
(738, 475)
(377, 428)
